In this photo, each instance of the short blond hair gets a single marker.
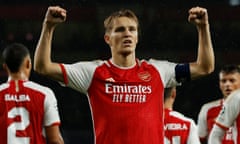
(108, 22)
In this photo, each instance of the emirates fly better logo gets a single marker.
(128, 93)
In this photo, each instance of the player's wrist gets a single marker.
(202, 26)
(47, 25)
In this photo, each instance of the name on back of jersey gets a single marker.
(175, 126)
(17, 98)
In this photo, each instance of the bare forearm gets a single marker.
(53, 135)
(42, 56)
(42, 59)
(205, 59)
(205, 50)
(56, 142)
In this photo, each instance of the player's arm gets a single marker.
(205, 58)
(51, 118)
(202, 124)
(216, 135)
(42, 57)
(226, 117)
(193, 134)
(53, 135)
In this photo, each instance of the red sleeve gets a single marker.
(65, 79)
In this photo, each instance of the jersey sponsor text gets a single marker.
(128, 93)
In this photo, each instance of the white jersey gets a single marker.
(206, 120)
(230, 115)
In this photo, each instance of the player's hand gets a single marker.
(198, 16)
(55, 15)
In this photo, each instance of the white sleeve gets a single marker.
(216, 135)
(167, 72)
(80, 74)
(193, 135)
(230, 110)
(202, 122)
(51, 115)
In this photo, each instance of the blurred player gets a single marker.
(228, 117)
(26, 108)
(125, 93)
(229, 80)
(178, 128)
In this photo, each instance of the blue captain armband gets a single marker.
(182, 72)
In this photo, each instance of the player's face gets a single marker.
(123, 37)
(229, 82)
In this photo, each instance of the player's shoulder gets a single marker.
(181, 116)
(235, 93)
(85, 64)
(93, 62)
(234, 96)
(96, 62)
(4, 86)
(211, 104)
(176, 114)
(155, 61)
(37, 87)
(162, 65)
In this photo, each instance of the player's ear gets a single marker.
(173, 93)
(106, 38)
(28, 63)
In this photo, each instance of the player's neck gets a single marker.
(17, 76)
(168, 105)
(124, 61)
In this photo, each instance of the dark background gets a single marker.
(165, 34)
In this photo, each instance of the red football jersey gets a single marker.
(126, 103)
(206, 120)
(179, 129)
(229, 116)
(25, 107)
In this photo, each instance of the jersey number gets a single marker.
(18, 125)
(175, 140)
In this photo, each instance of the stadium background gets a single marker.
(165, 34)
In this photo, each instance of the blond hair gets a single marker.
(108, 22)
